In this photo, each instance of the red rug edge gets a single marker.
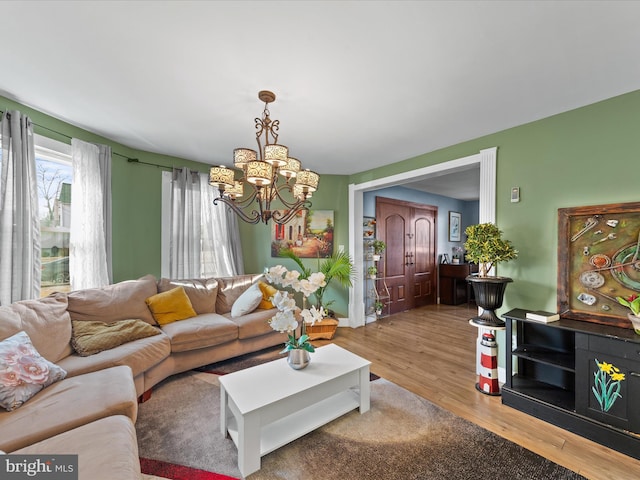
(178, 472)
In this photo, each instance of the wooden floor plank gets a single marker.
(431, 351)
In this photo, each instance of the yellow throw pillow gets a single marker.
(268, 291)
(171, 306)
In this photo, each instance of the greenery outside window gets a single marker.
(55, 176)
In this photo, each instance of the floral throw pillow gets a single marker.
(23, 371)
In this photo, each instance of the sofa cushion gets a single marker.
(45, 320)
(139, 355)
(247, 302)
(23, 371)
(230, 288)
(90, 337)
(254, 324)
(118, 461)
(119, 301)
(68, 404)
(268, 291)
(201, 291)
(202, 331)
(171, 306)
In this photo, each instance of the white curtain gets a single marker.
(19, 220)
(185, 225)
(90, 237)
(221, 247)
(204, 240)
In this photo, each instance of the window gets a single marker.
(216, 241)
(55, 175)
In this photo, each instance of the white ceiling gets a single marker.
(360, 84)
(462, 184)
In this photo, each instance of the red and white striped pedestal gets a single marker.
(487, 358)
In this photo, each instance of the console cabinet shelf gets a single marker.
(536, 353)
(552, 370)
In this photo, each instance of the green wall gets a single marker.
(136, 190)
(582, 157)
(332, 194)
(586, 156)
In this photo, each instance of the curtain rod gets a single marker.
(131, 160)
(135, 160)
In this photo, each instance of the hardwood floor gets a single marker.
(431, 351)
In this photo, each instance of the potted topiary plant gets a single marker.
(372, 271)
(378, 247)
(486, 247)
(378, 306)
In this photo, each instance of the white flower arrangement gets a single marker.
(285, 320)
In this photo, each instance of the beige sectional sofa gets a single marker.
(99, 396)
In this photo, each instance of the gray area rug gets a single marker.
(402, 437)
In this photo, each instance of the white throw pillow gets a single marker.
(247, 302)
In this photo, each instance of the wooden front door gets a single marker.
(408, 263)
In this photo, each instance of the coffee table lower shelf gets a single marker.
(301, 422)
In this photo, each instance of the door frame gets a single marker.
(486, 159)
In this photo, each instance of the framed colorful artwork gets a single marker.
(598, 261)
(454, 226)
(309, 234)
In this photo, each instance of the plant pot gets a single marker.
(489, 293)
(376, 257)
(635, 321)
(298, 358)
(322, 329)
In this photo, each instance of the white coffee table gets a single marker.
(269, 405)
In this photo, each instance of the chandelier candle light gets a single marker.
(270, 173)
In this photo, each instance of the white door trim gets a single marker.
(486, 159)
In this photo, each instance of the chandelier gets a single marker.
(270, 173)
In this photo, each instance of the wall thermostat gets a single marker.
(515, 194)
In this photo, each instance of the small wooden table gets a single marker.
(454, 288)
(267, 406)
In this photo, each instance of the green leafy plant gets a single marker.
(337, 268)
(372, 271)
(486, 247)
(378, 246)
(378, 306)
(632, 302)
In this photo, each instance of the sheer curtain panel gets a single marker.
(90, 237)
(185, 224)
(19, 220)
(221, 247)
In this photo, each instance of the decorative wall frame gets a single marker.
(309, 234)
(455, 222)
(369, 227)
(598, 260)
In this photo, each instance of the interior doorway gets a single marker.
(486, 160)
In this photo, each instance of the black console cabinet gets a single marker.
(553, 373)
